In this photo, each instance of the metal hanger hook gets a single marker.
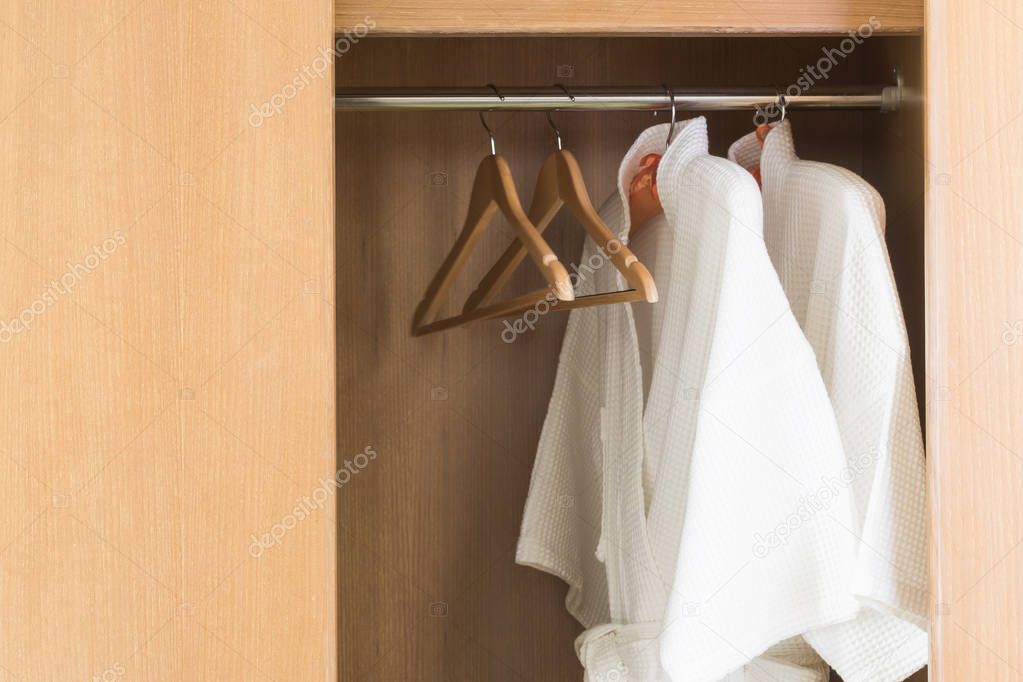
(483, 120)
(763, 114)
(674, 114)
(550, 120)
(557, 133)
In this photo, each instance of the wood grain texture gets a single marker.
(637, 17)
(428, 584)
(167, 359)
(974, 329)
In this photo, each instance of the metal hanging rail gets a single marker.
(880, 98)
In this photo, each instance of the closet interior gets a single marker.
(427, 532)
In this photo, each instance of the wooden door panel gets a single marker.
(166, 342)
(975, 328)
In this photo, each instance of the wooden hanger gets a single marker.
(493, 189)
(561, 183)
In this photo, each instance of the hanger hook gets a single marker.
(762, 114)
(671, 128)
(483, 120)
(550, 120)
(557, 133)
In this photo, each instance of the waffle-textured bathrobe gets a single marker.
(824, 229)
(700, 527)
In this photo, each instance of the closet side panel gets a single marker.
(975, 336)
(166, 353)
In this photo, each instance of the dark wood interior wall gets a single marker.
(893, 161)
(428, 585)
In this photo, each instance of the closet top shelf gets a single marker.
(633, 17)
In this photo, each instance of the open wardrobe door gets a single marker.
(974, 334)
(169, 395)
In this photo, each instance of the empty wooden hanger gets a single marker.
(561, 183)
(493, 189)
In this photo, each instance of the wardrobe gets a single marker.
(170, 414)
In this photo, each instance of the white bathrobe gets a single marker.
(699, 529)
(824, 228)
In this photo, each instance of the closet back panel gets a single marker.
(428, 585)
